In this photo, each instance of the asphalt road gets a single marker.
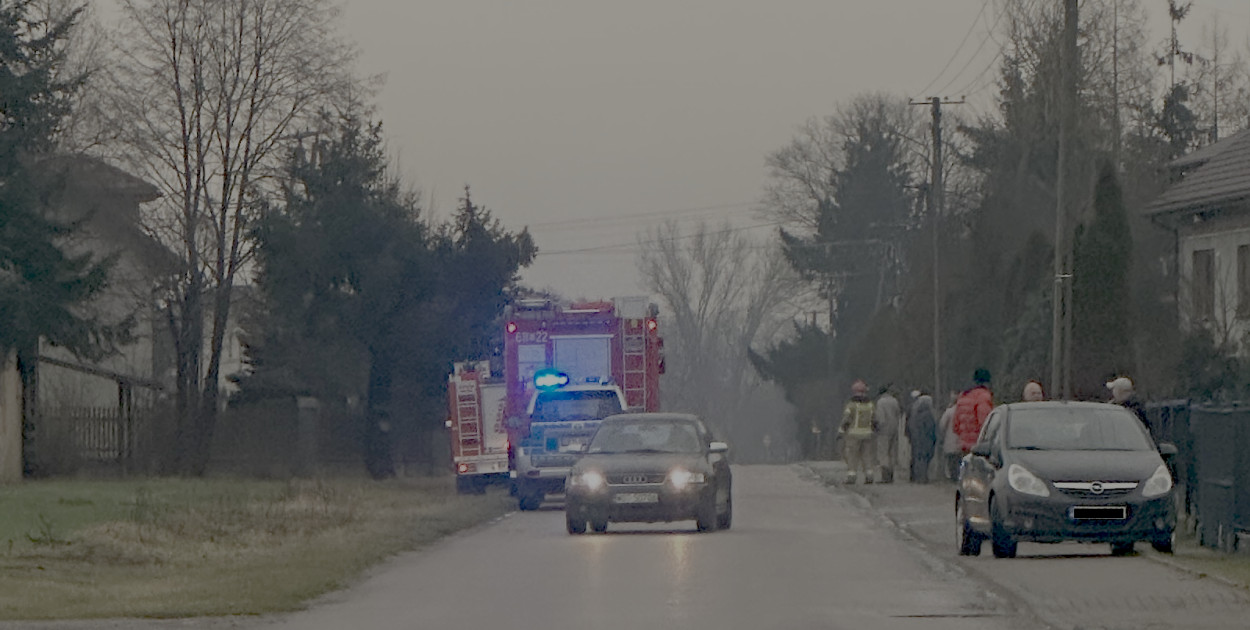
(798, 557)
(802, 555)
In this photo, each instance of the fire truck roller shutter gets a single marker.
(531, 357)
(584, 356)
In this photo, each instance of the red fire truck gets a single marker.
(479, 439)
(591, 360)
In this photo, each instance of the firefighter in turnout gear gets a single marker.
(858, 432)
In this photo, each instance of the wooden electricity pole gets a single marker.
(1061, 302)
(937, 199)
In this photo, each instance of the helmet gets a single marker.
(859, 387)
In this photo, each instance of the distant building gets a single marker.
(1208, 209)
(103, 202)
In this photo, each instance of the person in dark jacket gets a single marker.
(921, 431)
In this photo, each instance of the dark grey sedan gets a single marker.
(1055, 471)
(650, 467)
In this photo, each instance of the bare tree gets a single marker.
(724, 291)
(206, 98)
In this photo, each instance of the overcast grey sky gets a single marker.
(575, 116)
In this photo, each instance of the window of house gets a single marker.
(1243, 281)
(1204, 284)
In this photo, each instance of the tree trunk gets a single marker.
(188, 335)
(376, 432)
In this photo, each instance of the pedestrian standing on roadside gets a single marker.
(1124, 394)
(889, 415)
(858, 431)
(921, 429)
(972, 408)
(949, 440)
(1033, 392)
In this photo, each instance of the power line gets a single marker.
(640, 215)
(964, 90)
(958, 49)
(984, 40)
(635, 244)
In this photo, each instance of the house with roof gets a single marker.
(103, 202)
(1208, 210)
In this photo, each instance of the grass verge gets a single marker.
(178, 548)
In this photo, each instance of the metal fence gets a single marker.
(1212, 466)
(67, 439)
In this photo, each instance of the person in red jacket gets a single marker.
(972, 408)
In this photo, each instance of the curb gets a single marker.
(1164, 560)
(1150, 555)
(953, 568)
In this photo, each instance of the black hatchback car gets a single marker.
(650, 467)
(1055, 471)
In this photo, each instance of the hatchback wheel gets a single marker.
(1000, 540)
(1165, 542)
(969, 542)
(1121, 548)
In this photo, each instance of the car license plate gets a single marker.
(637, 497)
(1099, 512)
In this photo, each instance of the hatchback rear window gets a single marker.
(1076, 429)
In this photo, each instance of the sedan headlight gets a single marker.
(1158, 484)
(680, 478)
(590, 480)
(1023, 481)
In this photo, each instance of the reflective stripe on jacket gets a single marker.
(857, 417)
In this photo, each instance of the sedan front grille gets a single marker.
(635, 479)
(1096, 489)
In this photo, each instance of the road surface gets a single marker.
(798, 557)
(801, 555)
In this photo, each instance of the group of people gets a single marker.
(870, 428)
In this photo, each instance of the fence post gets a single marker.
(307, 436)
(10, 420)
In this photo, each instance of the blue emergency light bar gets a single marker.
(547, 380)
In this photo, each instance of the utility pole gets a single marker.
(1061, 302)
(936, 201)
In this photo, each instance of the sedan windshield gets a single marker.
(572, 406)
(1076, 429)
(646, 437)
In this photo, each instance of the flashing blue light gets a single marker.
(547, 380)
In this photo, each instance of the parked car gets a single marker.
(1056, 471)
(650, 467)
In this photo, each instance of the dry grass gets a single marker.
(1233, 567)
(187, 548)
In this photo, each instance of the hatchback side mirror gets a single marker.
(1168, 449)
(982, 450)
(718, 447)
